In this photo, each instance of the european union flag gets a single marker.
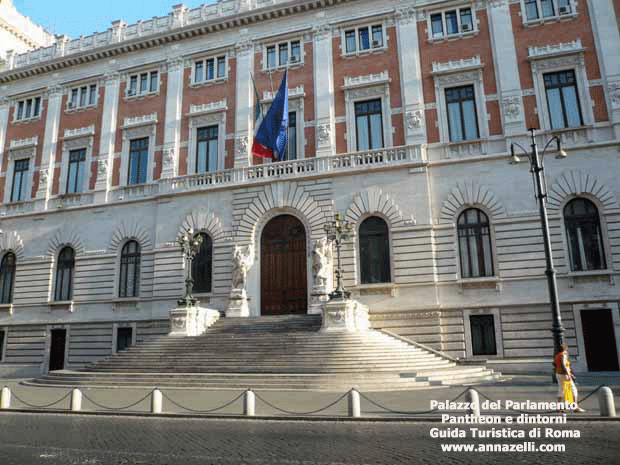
(271, 137)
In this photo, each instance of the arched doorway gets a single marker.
(283, 273)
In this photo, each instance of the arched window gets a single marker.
(202, 265)
(7, 278)
(129, 285)
(583, 230)
(475, 244)
(374, 251)
(64, 274)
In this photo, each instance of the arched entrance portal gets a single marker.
(283, 270)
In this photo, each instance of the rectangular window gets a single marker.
(206, 149)
(124, 336)
(462, 117)
(1, 345)
(364, 38)
(451, 22)
(271, 56)
(563, 100)
(143, 83)
(291, 150)
(83, 96)
(369, 125)
(92, 96)
(482, 335)
(208, 69)
(545, 9)
(28, 109)
(287, 52)
(75, 172)
(138, 160)
(20, 111)
(20, 173)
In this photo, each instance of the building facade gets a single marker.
(402, 114)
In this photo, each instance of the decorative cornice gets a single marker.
(208, 108)
(206, 19)
(366, 80)
(140, 120)
(545, 51)
(457, 65)
(23, 143)
(79, 132)
(295, 92)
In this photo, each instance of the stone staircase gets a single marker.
(280, 352)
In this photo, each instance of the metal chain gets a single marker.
(41, 406)
(289, 412)
(408, 413)
(201, 411)
(114, 408)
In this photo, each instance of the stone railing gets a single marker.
(72, 200)
(179, 17)
(296, 168)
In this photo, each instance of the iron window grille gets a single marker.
(374, 251)
(585, 239)
(202, 265)
(64, 275)
(482, 334)
(7, 278)
(129, 278)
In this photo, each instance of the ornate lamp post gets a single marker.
(190, 246)
(338, 230)
(537, 169)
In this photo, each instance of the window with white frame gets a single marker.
(363, 38)
(462, 116)
(291, 147)
(138, 160)
(369, 125)
(563, 99)
(75, 171)
(451, 23)
(82, 97)
(209, 69)
(283, 53)
(20, 180)
(29, 108)
(143, 83)
(206, 149)
(535, 10)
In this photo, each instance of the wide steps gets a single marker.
(286, 352)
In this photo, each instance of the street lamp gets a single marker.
(537, 168)
(338, 230)
(190, 246)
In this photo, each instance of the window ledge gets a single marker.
(125, 304)
(457, 36)
(377, 289)
(486, 282)
(297, 65)
(79, 109)
(364, 52)
(127, 299)
(8, 308)
(210, 82)
(56, 305)
(141, 96)
(27, 120)
(549, 19)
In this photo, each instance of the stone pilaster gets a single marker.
(4, 122)
(324, 91)
(245, 97)
(506, 68)
(411, 76)
(172, 127)
(108, 134)
(50, 141)
(607, 39)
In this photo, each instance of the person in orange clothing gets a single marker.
(563, 373)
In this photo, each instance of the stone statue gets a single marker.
(321, 261)
(243, 259)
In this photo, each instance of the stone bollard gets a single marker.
(5, 398)
(471, 396)
(76, 400)
(249, 403)
(354, 404)
(156, 401)
(606, 402)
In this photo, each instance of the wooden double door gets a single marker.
(284, 276)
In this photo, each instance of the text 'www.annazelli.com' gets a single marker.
(521, 447)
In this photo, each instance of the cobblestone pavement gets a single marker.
(53, 439)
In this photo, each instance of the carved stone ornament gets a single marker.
(43, 175)
(614, 93)
(244, 46)
(323, 133)
(414, 119)
(512, 108)
(168, 157)
(242, 143)
(322, 31)
(102, 167)
(406, 14)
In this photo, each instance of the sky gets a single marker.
(83, 17)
